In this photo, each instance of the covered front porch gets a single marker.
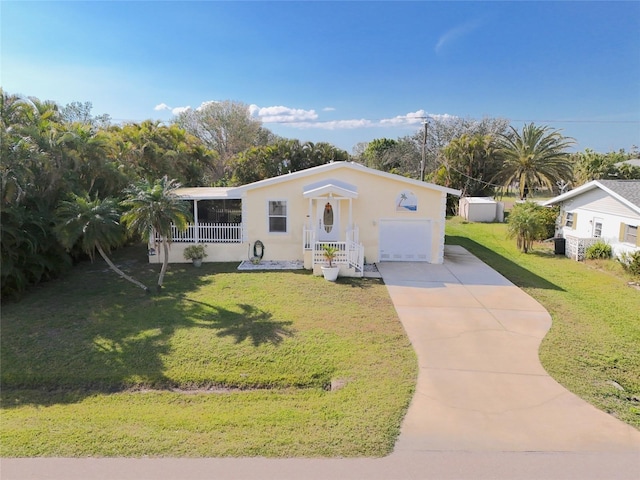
(217, 220)
(330, 223)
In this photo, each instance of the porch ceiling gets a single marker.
(330, 187)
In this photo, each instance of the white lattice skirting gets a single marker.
(576, 247)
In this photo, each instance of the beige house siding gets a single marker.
(377, 199)
(364, 197)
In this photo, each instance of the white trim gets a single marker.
(328, 167)
(585, 188)
(286, 216)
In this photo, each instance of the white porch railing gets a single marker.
(576, 247)
(208, 233)
(348, 253)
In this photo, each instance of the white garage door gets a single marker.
(405, 240)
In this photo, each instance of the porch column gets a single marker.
(196, 229)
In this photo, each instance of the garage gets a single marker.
(403, 240)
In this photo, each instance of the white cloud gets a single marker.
(444, 117)
(328, 109)
(411, 118)
(335, 124)
(281, 114)
(179, 110)
(204, 104)
(455, 33)
(161, 106)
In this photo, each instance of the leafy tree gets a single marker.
(94, 224)
(375, 152)
(526, 223)
(537, 156)
(590, 165)
(225, 127)
(441, 130)
(152, 210)
(469, 163)
(78, 112)
(285, 156)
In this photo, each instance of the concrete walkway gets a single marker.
(484, 407)
(481, 386)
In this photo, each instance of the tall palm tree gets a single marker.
(95, 223)
(537, 156)
(152, 210)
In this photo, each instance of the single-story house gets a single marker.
(607, 210)
(481, 209)
(365, 213)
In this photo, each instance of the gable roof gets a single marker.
(330, 167)
(626, 191)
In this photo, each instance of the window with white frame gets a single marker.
(569, 220)
(277, 216)
(630, 234)
(597, 228)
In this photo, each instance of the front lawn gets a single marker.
(593, 347)
(221, 363)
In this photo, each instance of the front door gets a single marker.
(328, 220)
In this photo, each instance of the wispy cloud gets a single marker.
(281, 114)
(411, 118)
(456, 33)
(309, 119)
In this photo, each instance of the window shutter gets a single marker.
(575, 221)
(564, 219)
(621, 236)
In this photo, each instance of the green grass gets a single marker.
(595, 337)
(221, 363)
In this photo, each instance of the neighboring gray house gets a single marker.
(607, 210)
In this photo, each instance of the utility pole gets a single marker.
(424, 148)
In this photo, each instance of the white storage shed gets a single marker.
(481, 209)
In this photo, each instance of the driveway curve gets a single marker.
(481, 386)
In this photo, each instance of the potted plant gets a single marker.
(195, 253)
(330, 272)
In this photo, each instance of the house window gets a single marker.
(597, 229)
(569, 220)
(219, 211)
(277, 216)
(630, 234)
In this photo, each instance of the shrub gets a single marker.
(631, 262)
(598, 250)
(195, 251)
(549, 217)
(527, 224)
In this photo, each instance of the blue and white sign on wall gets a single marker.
(406, 201)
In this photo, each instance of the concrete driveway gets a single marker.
(484, 407)
(481, 386)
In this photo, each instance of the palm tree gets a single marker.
(535, 157)
(153, 209)
(95, 223)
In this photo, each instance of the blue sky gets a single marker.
(341, 72)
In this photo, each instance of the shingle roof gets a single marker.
(629, 189)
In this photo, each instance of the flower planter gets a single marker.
(197, 262)
(330, 273)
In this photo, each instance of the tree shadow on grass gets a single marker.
(517, 274)
(250, 323)
(64, 346)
